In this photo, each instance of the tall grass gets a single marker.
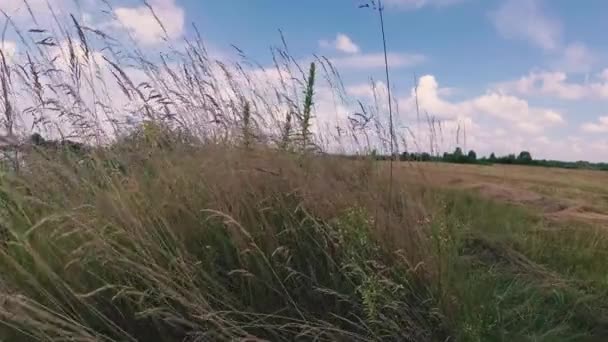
(210, 243)
(205, 209)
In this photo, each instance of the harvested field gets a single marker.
(560, 194)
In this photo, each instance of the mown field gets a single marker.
(561, 194)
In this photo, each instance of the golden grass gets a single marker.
(213, 241)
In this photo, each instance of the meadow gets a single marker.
(219, 243)
(209, 206)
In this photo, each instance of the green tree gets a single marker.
(524, 157)
(492, 157)
(459, 156)
(458, 153)
(472, 156)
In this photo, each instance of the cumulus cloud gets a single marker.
(140, 21)
(342, 43)
(493, 105)
(510, 109)
(556, 84)
(493, 122)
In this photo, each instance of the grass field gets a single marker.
(549, 226)
(219, 243)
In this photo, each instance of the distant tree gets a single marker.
(459, 157)
(492, 157)
(458, 153)
(472, 156)
(524, 158)
(424, 156)
(404, 156)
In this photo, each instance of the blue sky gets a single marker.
(520, 74)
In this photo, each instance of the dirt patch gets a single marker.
(456, 181)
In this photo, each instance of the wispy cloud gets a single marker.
(575, 57)
(417, 4)
(527, 20)
(532, 21)
(556, 84)
(600, 126)
(376, 60)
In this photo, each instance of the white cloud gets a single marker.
(556, 84)
(355, 59)
(376, 60)
(9, 48)
(507, 108)
(342, 43)
(493, 122)
(601, 126)
(527, 20)
(145, 28)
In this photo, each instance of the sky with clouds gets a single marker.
(514, 74)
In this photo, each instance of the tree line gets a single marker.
(460, 157)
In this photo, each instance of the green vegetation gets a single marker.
(524, 279)
(524, 158)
